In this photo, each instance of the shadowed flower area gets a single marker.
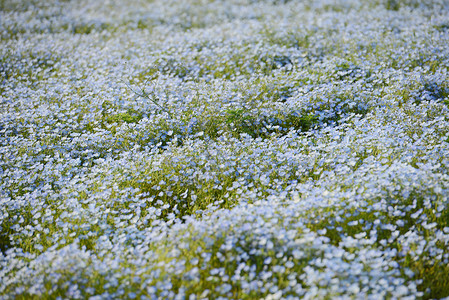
(211, 149)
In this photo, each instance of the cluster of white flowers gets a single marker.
(217, 149)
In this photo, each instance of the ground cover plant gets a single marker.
(211, 149)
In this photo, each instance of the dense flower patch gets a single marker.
(236, 149)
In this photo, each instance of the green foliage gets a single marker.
(76, 229)
(110, 119)
(442, 27)
(238, 121)
(173, 190)
(211, 268)
(393, 5)
(89, 28)
(365, 220)
(434, 276)
(131, 116)
(32, 68)
(5, 234)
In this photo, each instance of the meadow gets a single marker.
(224, 149)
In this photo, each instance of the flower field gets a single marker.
(224, 149)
